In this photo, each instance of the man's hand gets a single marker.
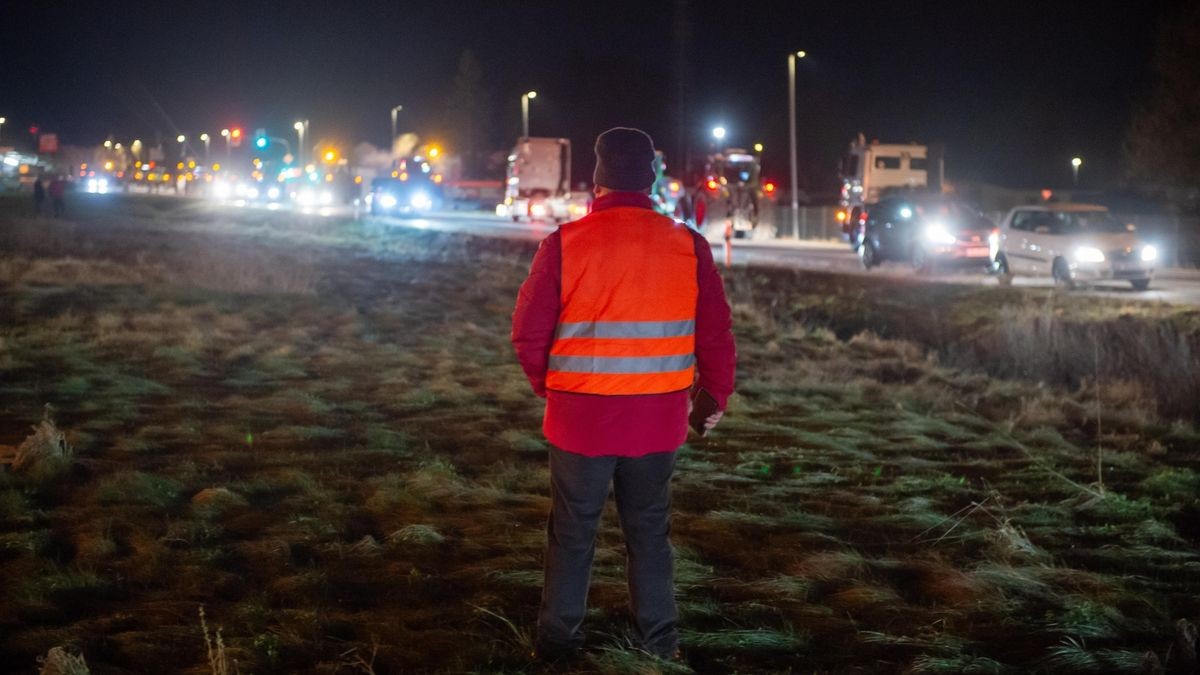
(712, 420)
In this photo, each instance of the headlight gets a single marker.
(326, 197)
(91, 185)
(102, 186)
(221, 190)
(387, 201)
(937, 233)
(1089, 254)
(272, 192)
(252, 192)
(305, 197)
(1149, 254)
(421, 201)
(537, 210)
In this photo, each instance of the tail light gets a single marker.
(711, 185)
(769, 188)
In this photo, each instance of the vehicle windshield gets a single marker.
(1071, 222)
(953, 214)
(1085, 222)
(949, 210)
(738, 172)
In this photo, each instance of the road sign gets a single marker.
(48, 143)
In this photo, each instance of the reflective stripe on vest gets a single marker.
(626, 329)
(628, 319)
(622, 364)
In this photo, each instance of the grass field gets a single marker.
(316, 431)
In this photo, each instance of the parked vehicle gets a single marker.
(1072, 243)
(872, 171)
(538, 183)
(928, 232)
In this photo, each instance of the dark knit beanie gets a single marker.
(624, 160)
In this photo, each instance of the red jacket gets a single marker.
(627, 426)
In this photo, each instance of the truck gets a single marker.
(537, 184)
(730, 192)
(871, 171)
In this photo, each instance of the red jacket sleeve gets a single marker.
(716, 356)
(536, 315)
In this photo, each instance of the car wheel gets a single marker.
(1003, 274)
(1062, 274)
(920, 260)
(868, 255)
(1139, 284)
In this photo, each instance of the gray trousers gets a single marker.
(579, 488)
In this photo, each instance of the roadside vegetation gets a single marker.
(285, 444)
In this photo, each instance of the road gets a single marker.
(1180, 287)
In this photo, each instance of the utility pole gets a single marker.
(792, 131)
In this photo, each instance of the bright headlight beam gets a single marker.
(1089, 254)
(937, 233)
(421, 201)
(1149, 254)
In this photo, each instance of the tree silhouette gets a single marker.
(1163, 143)
(468, 114)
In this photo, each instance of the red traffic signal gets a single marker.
(235, 137)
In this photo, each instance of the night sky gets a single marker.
(1013, 89)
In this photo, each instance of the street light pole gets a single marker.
(395, 110)
(228, 152)
(2, 121)
(182, 147)
(1076, 162)
(792, 132)
(301, 128)
(207, 140)
(525, 98)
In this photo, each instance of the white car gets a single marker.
(1072, 243)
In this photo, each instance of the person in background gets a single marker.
(622, 310)
(39, 196)
(58, 191)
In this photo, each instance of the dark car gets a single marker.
(411, 188)
(927, 232)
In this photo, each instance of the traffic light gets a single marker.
(261, 142)
(235, 137)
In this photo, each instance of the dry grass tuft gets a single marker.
(44, 454)
(59, 662)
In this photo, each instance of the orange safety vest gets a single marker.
(628, 318)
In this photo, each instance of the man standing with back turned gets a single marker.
(622, 309)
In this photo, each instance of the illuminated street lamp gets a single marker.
(205, 138)
(395, 111)
(136, 148)
(301, 128)
(758, 147)
(1075, 164)
(181, 139)
(2, 121)
(719, 133)
(791, 61)
(108, 144)
(228, 152)
(525, 99)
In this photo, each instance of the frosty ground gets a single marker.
(315, 429)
